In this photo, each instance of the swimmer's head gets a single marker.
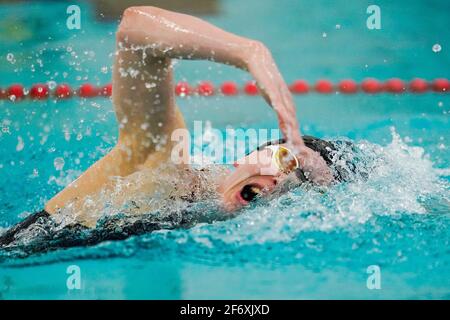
(258, 174)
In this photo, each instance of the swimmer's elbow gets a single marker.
(135, 10)
(139, 24)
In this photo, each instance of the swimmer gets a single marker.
(140, 165)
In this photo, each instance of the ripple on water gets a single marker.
(402, 198)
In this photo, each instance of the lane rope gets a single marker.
(42, 91)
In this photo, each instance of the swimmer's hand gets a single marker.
(314, 166)
(260, 64)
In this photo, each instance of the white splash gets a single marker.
(401, 180)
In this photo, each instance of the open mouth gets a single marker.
(249, 193)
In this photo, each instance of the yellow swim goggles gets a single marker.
(283, 158)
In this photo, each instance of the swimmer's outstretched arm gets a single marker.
(172, 35)
(148, 39)
(168, 34)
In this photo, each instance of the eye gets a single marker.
(249, 192)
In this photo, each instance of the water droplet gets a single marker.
(20, 144)
(58, 163)
(338, 27)
(10, 58)
(51, 84)
(324, 35)
(437, 48)
(67, 135)
(35, 173)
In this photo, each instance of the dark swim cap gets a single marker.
(327, 150)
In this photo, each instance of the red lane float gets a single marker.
(324, 86)
(16, 92)
(348, 86)
(299, 87)
(251, 89)
(88, 90)
(62, 91)
(229, 88)
(40, 91)
(205, 88)
(183, 89)
(371, 86)
(418, 85)
(441, 85)
(394, 85)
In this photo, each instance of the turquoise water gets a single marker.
(306, 245)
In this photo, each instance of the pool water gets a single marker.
(305, 244)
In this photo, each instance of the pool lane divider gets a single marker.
(41, 91)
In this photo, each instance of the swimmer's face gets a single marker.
(254, 176)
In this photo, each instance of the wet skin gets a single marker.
(148, 38)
